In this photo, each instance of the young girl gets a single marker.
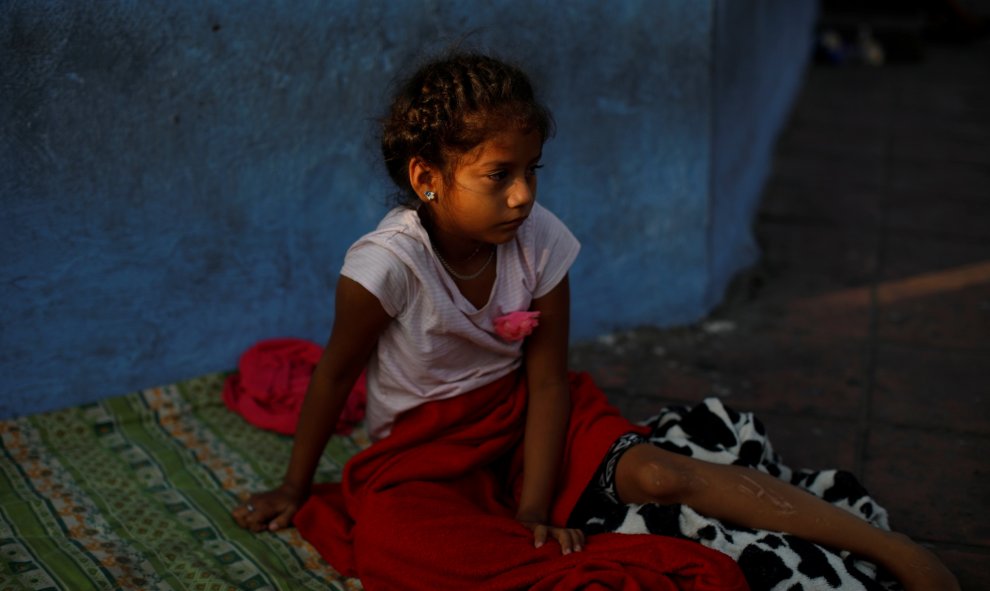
(458, 304)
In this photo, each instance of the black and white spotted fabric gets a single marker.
(770, 561)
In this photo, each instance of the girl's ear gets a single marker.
(422, 178)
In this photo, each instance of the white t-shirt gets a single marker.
(438, 344)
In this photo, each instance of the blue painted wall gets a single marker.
(181, 179)
(761, 50)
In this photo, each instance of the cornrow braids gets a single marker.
(451, 105)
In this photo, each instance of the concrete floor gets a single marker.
(862, 339)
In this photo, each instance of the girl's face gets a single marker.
(493, 189)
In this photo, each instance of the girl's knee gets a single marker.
(664, 483)
(651, 478)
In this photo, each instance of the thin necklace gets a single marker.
(462, 276)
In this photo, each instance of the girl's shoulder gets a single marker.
(400, 220)
(400, 230)
(397, 247)
(387, 260)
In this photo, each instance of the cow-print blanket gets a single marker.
(769, 560)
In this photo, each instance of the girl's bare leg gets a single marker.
(750, 498)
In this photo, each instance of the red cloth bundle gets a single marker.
(269, 388)
(432, 506)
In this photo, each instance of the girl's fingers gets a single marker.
(253, 515)
(570, 540)
(578, 540)
(567, 540)
(539, 535)
(242, 516)
(283, 520)
(262, 519)
(259, 526)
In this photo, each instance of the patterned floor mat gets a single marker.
(135, 492)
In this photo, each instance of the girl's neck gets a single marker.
(453, 248)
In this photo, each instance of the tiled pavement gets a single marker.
(862, 339)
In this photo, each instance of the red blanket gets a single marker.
(431, 506)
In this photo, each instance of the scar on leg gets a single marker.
(753, 489)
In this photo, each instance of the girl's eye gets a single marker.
(501, 175)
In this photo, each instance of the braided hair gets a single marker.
(451, 105)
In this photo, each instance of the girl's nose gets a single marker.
(521, 193)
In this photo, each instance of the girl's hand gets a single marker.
(272, 510)
(570, 540)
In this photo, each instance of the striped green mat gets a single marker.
(135, 492)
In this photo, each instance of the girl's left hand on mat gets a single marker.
(570, 540)
(272, 510)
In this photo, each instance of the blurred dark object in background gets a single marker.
(878, 32)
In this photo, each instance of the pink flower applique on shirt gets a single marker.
(515, 326)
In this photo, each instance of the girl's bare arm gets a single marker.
(547, 415)
(358, 321)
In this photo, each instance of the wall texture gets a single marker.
(760, 54)
(181, 179)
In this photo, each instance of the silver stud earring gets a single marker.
(430, 195)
